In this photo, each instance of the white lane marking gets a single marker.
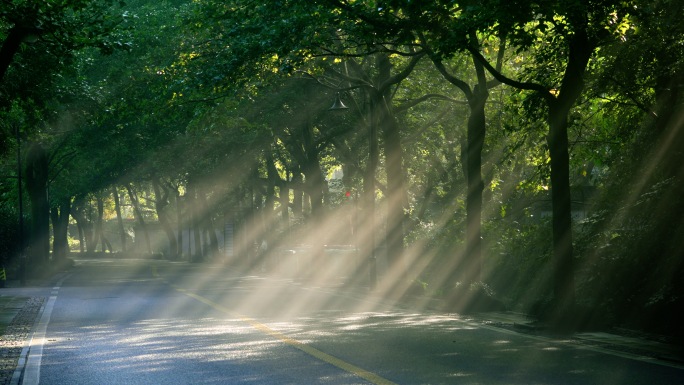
(21, 362)
(32, 354)
(32, 372)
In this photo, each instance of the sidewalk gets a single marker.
(9, 307)
(17, 317)
(623, 342)
(19, 309)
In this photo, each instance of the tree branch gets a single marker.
(499, 62)
(402, 74)
(463, 86)
(415, 102)
(544, 91)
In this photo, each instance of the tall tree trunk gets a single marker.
(475, 143)
(195, 231)
(207, 220)
(471, 157)
(213, 247)
(297, 195)
(396, 195)
(284, 198)
(179, 223)
(564, 286)
(269, 213)
(369, 224)
(99, 233)
(119, 218)
(60, 226)
(36, 186)
(557, 139)
(271, 181)
(81, 237)
(314, 181)
(473, 163)
(313, 175)
(85, 227)
(179, 219)
(139, 216)
(160, 202)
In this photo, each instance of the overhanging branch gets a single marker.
(543, 90)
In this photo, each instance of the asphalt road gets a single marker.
(156, 322)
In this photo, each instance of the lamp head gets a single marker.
(338, 105)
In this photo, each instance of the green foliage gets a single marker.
(233, 44)
(520, 259)
(632, 259)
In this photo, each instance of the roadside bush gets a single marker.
(632, 260)
(518, 264)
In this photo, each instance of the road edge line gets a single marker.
(29, 373)
(21, 362)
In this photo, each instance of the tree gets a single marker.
(55, 29)
(62, 27)
(579, 29)
(477, 97)
(36, 186)
(108, 137)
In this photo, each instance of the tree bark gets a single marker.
(99, 233)
(85, 228)
(139, 217)
(473, 164)
(207, 220)
(161, 196)
(297, 195)
(269, 214)
(564, 286)
(284, 198)
(396, 195)
(471, 157)
(369, 224)
(179, 224)
(60, 224)
(557, 139)
(313, 176)
(119, 218)
(195, 231)
(36, 186)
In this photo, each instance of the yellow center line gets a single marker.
(325, 357)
